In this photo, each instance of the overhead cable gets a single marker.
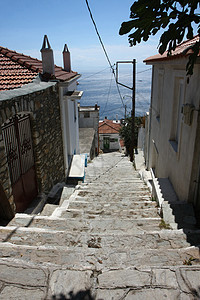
(104, 49)
(95, 26)
(144, 71)
(107, 96)
(83, 78)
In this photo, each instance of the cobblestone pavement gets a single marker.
(105, 240)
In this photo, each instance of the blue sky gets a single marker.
(24, 23)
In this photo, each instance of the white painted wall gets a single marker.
(92, 121)
(113, 145)
(172, 142)
(69, 119)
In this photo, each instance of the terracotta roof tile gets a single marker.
(107, 126)
(17, 69)
(181, 50)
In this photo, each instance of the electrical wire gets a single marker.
(116, 108)
(104, 49)
(128, 75)
(143, 71)
(108, 95)
(83, 78)
(101, 42)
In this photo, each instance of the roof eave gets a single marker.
(63, 83)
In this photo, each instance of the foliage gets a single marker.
(177, 18)
(164, 225)
(188, 261)
(126, 130)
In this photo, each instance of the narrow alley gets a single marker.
(106, 240)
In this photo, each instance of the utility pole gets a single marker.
(133, 103)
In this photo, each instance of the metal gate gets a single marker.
(19, 149)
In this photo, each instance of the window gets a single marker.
(176, 112)
(159, 94)
(112, 140)
(74, 111)
(86, 114)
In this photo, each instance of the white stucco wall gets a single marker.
(171, 147)
(69, 119)
(113, 145)
(92, 121)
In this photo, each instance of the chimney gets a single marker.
(117, 119)
(47, 57)
(66, 59)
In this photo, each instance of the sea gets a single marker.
(116, 100)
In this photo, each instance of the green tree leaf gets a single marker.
(177, 18)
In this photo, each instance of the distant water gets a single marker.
(101, 88)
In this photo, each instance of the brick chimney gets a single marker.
(47, 57)
(66, 59)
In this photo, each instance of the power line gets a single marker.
(81, 79)
(104, 49)
(95, 26)
(108, 95)
(128, 75)
(143, 71)
(112, 110)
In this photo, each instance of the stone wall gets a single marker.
(43, 106)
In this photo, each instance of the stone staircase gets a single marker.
(105, 241)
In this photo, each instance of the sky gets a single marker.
(24, 24)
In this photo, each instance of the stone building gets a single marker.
(174, 123)
(38, 125)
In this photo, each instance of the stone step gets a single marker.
(109, 212)
(171, 282)
(164, 239)
(117, 188)
(116, 181)
(129, 201)
(99, 258)
(114, 196)
(124, 173)
(104, 205)
(88, 225)
(48, 209)
(45, 281)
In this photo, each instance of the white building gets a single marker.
(68, 101)
(88, 130)
(109, 138)
(174, 123)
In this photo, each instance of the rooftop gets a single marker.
(108, 127)
(88, 108)
(181, 50)
(17, 69)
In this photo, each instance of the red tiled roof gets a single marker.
(181, 50)
(13, 75)
(107, 126)
(17, 69)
